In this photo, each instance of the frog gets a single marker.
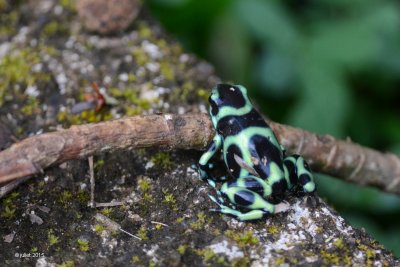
(259, 171)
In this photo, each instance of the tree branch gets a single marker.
(343, 159)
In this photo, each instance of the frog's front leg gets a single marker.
(249, 193)
(299, 173)
(204, 163)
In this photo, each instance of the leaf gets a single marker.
(325, 100)
(228, 47)
(355, 41)
(267, 20)
(275, 71)
(349, 196)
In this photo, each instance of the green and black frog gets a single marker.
(260, 172)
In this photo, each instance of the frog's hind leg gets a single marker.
(250, 182)
(240, 196)
(299, 173)
(242, 216)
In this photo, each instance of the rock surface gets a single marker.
(47, 64)
(107, 16)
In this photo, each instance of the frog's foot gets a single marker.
(299, 173)
(256, 210)
(242, 216)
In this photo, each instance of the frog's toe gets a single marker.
(213, 199)
(218, 201)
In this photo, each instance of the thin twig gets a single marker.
(342, 159)
(107, 204)
(8, 187)
(92, 204)
(112, 225)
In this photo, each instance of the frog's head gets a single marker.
(227, 95)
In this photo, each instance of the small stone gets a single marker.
(35, 219)
(107, 16)
(9, 238)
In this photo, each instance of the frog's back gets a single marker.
(235, 124)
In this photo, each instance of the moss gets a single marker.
(98, 164)
(200, 222)
(78, 215)
(135, 104)
(53, 239)
(272, 229)
(143, 233)
(144, 30)
(8, 212)
(34, 249)
(135, 259)
(167, 71)
(279, 261)
(98, 228)
(169, 199)
(83, 245)
(347, 260)
(62, 116)
(216, 232)
(140, 56)
(65, 198)
(203, 93)
(330, 258)
(242, 262)
(8, 206)
(106, 212)
(3, 5)
(16, 68)
(90, 116)
(209, 255)
(186, 89)
(131, 77)
(182, 249)
(339, 243)
(68, 5)
(52, 28)
(163, 160)
(244, 239)
(66, 264)
(369, 253)
(31, 107)
(144, 186)
(83, 196)
(8, 22)
(180, 219)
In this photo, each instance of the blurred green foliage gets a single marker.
(325, 66)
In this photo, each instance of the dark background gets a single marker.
(331, 67)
